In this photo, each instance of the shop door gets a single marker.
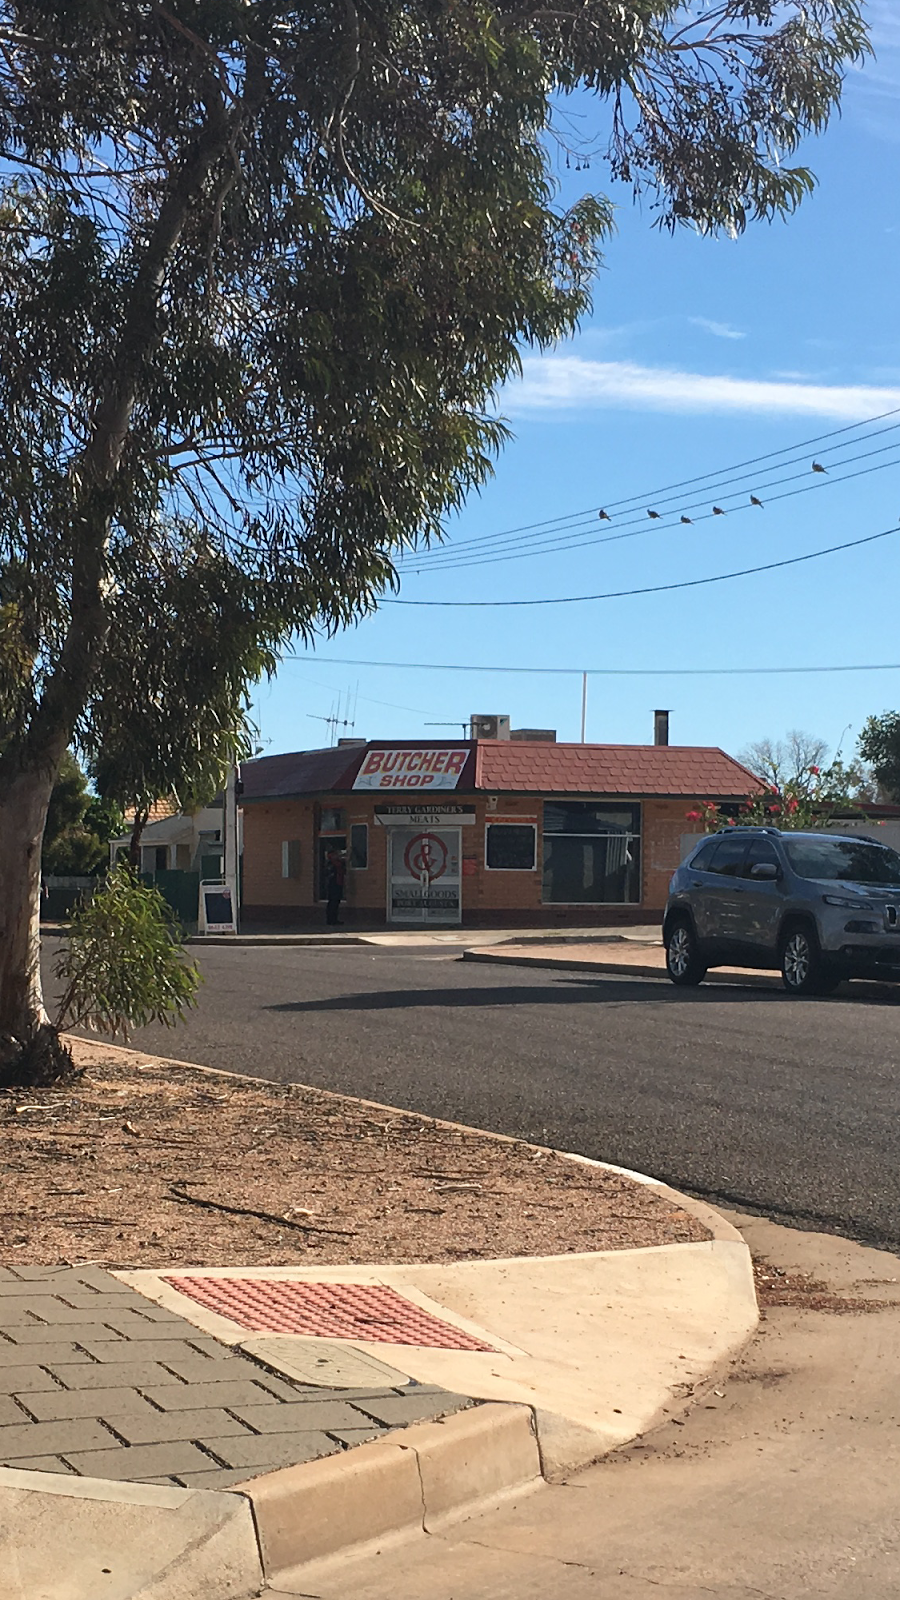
(424, 876)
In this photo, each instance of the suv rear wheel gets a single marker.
(803, 967)
(684, 963)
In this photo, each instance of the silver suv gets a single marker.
(821, 906)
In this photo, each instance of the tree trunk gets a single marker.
(141, 818)
(30, 1050)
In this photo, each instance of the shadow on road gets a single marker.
(575, 991)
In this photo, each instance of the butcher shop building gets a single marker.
(511, 831)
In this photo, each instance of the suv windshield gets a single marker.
(854, 860)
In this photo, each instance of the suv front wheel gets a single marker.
(684, 963)
(803, 967)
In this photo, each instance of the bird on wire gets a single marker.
(718, 512)
(654, 515)
(817, 467)
(604, 516)
(688, 519)
(755, 502)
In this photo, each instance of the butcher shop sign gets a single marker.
(425, 769)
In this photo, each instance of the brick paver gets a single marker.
(96, 1380)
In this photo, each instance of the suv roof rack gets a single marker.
(752, 827)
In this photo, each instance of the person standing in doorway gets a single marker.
(335, 877)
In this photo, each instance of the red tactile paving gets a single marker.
(360, 1311)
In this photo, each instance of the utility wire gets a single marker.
(637, 526)
(648, 496)
(656, 588)
(602, 672)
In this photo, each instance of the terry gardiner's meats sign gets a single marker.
(411, 769)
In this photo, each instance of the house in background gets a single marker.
(175, 842)
(516, 830)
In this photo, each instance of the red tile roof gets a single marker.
(691, 771)
(513, 767)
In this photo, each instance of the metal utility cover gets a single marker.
(366, 1312)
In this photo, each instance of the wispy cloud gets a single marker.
(553, 383)
(721, 330)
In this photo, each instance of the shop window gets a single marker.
(359, 846)
(332, 820)
(510, 846)
(592, 854)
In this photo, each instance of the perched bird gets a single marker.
(654, 515)
(718, 512)
(817, 467)
(688, 519)
(755, 502)
(604, 516)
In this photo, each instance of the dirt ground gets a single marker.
(137, 1162)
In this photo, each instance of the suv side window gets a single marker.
(700, 861)
(729, 856)
(760, 850)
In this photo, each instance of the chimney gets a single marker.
(660, 727)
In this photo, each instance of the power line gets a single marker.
(655, 588)
(649, 495)
(605, 672)
(639, 525)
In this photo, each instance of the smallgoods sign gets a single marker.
(425, 769)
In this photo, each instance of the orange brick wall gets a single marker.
(664, 824)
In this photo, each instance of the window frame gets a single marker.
(632, 836)
(492, 822)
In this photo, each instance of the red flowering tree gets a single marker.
(788, 807)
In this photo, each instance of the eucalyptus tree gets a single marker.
(263, 267)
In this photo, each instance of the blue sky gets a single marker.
(699, 354)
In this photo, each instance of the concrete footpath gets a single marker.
(201, 1432)
(780, 1483)
(626, 956)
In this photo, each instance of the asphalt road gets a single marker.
(786, 1107)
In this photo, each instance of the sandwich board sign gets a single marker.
(216, 908)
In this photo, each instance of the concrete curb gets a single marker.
(616, 969)
(416, 1482)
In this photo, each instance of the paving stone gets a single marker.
(397, 1413)
(80, 1332)
(141, 1461)
(119, 1349)
(51, 1438)
(51, 1309)
(198, 1369)
(133, 1325)
(277, 1386)
(90, 1300)
(17, 1313)
(32, 1274)
(10, 1413)
(59, 1404)
(39, 1355)
(351, 1436)
(149, 1308)
(270, 1451)
(305, 1415)
(155, 1427)
(14, 1289)
(211, 1347)
(103, 1282)
(94, 1375)
(188, 1396)
(21, 1380)
(42, 1464)
(216, 1478)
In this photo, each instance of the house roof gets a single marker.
(521, 767)
(300, 773)
(694, 771)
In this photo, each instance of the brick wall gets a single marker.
(489, 897)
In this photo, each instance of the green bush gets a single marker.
(123, 966)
